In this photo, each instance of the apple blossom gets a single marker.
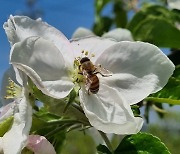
(51, 61)
(14, 140)
(119, 34)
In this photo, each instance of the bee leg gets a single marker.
(89, 92)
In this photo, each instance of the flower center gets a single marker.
(78, 75)
(13, 90)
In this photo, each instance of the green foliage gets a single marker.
(141, 143)
(120, 13)
(169, 136)
(156, 24)
(102, 25)
(5, 125)
(99, 5)
(102, 149)
(171, 92)
(135, 109)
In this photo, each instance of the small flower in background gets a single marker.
(17, 95)
(118, 34)
(174, 4)
(55, 66)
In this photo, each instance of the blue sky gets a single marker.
(65, 15)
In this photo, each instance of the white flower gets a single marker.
(47, 57)
(174, 4)
(14, 140)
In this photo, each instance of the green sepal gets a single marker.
(6, 125)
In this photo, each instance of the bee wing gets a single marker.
(103, 71)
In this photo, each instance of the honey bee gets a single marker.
(89, 71)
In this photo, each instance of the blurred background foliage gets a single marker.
(149, 21)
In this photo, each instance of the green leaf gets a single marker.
(120, 14)
(102, 149)
(171, 92)
(45, 115)
(5, 125)
(155, 24)
(136, 110)
(102, 25)
(100, 4)
(141, 143)
(72, 97)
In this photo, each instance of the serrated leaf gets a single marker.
(171, 92)
(5, 125)
(156, 25)
(102, 149)
(141, 143)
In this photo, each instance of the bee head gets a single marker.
(84, 59)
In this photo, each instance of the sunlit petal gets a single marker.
(119, 34)
(44, 64)
(15, 139)
(139, 69)
(82, 32)
(94, 45)
(109, 112)
(19, 28)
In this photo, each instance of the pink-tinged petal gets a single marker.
(109, 112)
(82, 32)
(119, 34)
(7, 111)
(138, 68)
(40, 145)
(19, 28)
(15, 139)
(94, 45)
(44, 64)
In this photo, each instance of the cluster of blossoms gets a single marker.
(42, 54)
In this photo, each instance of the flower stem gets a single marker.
(106, 140)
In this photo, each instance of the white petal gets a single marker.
(7, 111)
(1, 145)
(94, 45)
(174, 4)
(44, 64)
(109, 112)
(139, 69)
(40, 145)
(19, 28)
(15, 139)
(119, 34)
(82, 32)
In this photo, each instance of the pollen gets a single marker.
(86, 53)
(12, 90)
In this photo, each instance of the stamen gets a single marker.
(86, 53)
(13, 90)
(92, 55)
